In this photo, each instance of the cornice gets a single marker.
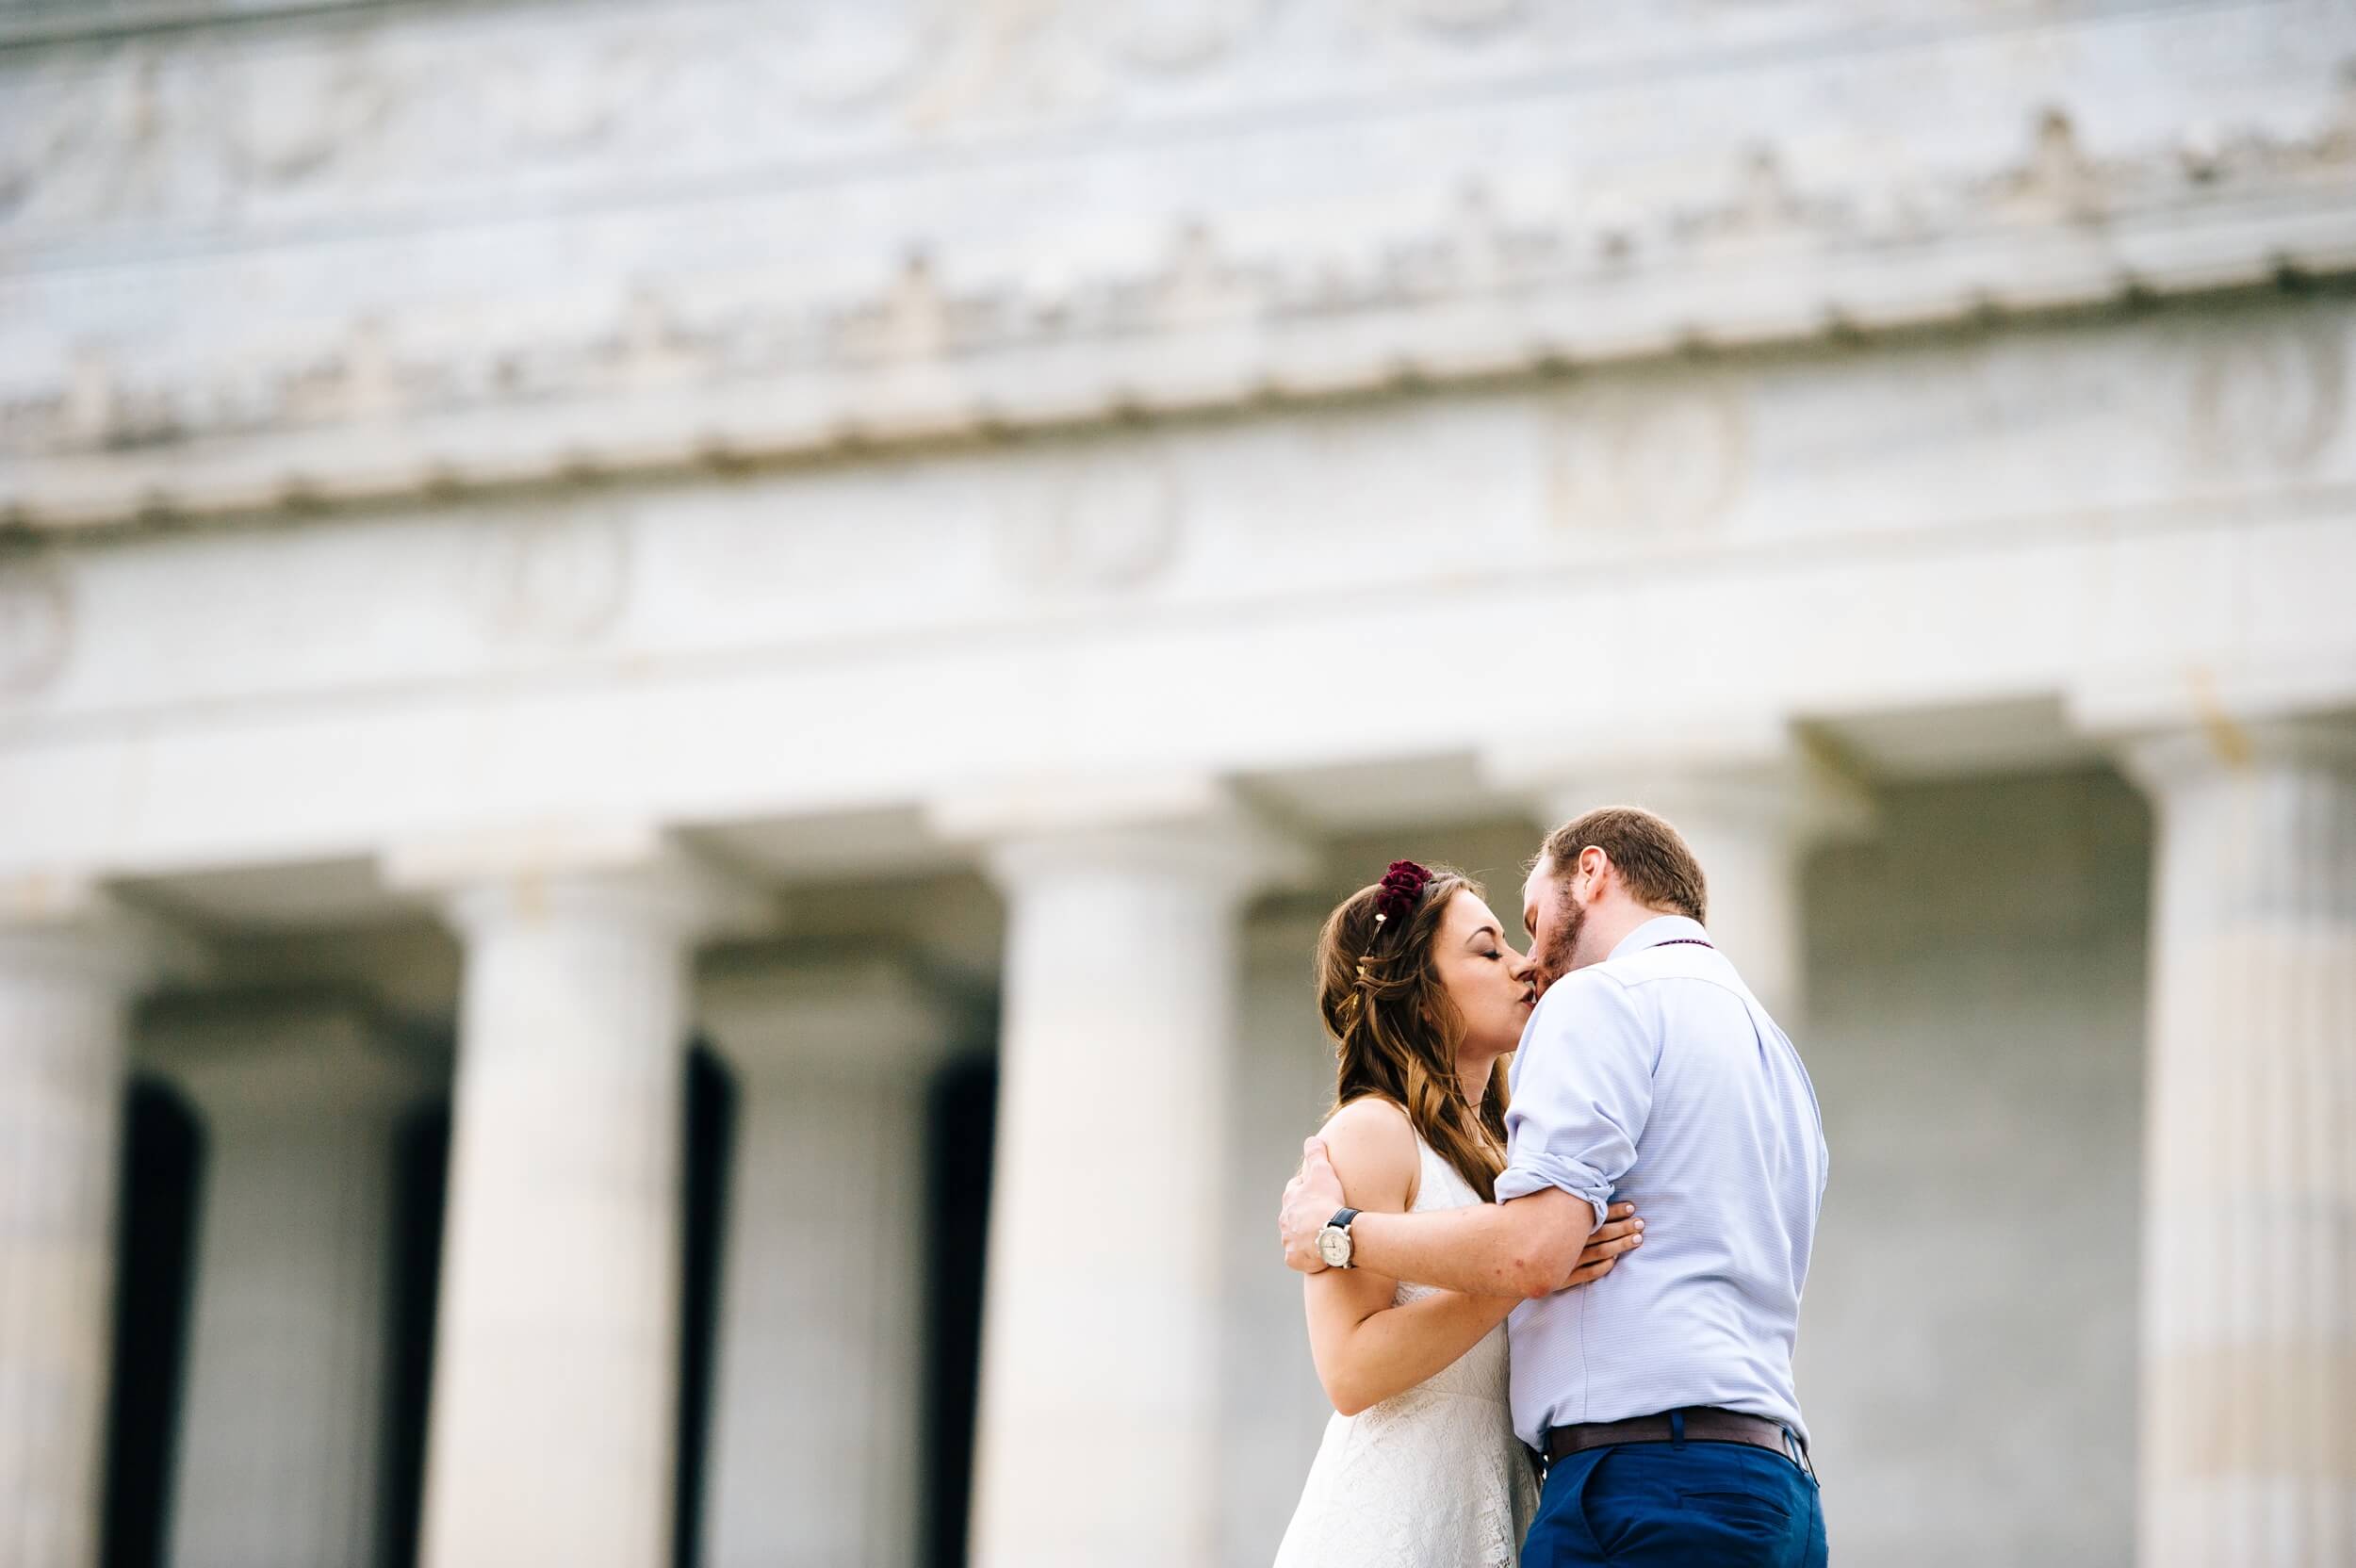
(677, 363)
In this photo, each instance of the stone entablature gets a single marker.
(2125, 517)
(440, 248)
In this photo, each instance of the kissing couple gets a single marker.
(1588, 1267)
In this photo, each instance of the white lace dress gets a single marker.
(1433, 1478)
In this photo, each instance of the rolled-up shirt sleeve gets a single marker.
(1581, 1091)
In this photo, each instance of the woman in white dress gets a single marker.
(1419, 1468)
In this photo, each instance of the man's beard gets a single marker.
(1555, 962)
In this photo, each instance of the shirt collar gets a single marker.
(1660, 929)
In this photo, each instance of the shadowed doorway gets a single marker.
(162, 1164)
(961, 1121)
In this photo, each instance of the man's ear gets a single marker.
(1598, 865)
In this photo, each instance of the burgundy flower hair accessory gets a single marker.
(1402, 886)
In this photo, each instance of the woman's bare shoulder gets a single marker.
(1370, 1116)
(1372, 1145)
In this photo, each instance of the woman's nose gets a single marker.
(1521, 968)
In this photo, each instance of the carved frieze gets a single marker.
(1656, 460)
(1176, 35)
(2266, 399)
(439, 108)
(317, 110)
(843, 57)
(1466, 16)
(1093, 518)
(556, 579)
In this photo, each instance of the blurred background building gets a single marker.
(679, 685)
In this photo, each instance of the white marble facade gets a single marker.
(556, 529)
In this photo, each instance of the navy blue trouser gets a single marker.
(1668, 1505)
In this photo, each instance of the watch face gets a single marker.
(1333, 1246)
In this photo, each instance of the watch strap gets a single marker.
(1341, 1222)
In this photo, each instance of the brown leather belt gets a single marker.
(1701, 1424)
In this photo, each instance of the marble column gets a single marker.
(1751, 816)
(280, 1451)
(70, 965)
(1099, 1400)
(551, 1436)
(2249, 1440)
(818, 1392)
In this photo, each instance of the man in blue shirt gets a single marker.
(1662, 1393)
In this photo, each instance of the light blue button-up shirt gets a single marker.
(1656, 1078)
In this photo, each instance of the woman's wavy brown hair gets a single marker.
(1395, 1031)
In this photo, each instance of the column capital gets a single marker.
(2121, 709)
(57, 924)
(864, 1019)
(1187, 825)
(2163, 758)
(316, 1053)
(630, 872)
(1761, 771)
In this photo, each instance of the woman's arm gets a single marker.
(1365, 1360)
(1366, 1348)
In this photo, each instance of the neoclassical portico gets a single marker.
(868, 532)
(1073, 682)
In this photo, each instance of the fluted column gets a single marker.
(551, 1434)
(1751, 813)
(1098, 1395)
(818, 1387)
(2249, 1450)
(70, 965)
(280, 1451)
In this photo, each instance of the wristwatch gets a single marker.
(1334, 1241)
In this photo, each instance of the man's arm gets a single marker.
(1582, 1092)
(1532, 1246)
